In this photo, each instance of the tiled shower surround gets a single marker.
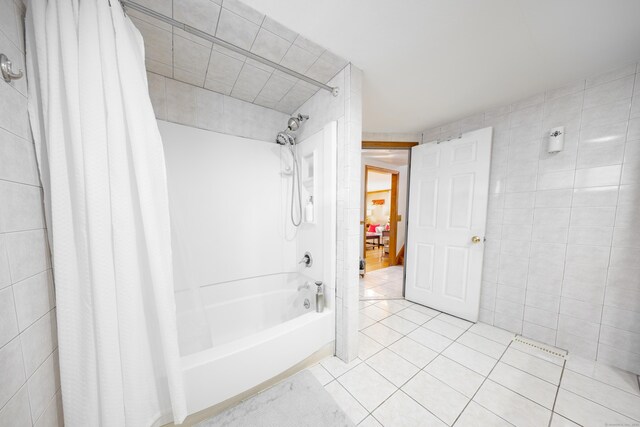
(29, 378)
(562, 256)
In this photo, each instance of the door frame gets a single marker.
(393, 212)
(388, 145)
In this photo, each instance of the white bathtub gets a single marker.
(241, 321)
(257, 327)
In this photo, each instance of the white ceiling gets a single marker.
(391, 157)
(378, 181)
(428, 62)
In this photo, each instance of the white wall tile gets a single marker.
(8, 319)
(633, 132)
(593, 216)
(577, 258)
(17, 159)
(577, 86)
(181, 107)
(200, 14)
(22, 207)
(34, 297)
(624, 277)
(553, 198)
(53, 415)
(595, 196)
(614, 74)
(556, 180)
(23, 249)
(16, 413)
(606, 113)
(38, 341)
(28, 253)
(609, 92)
(540, 317)
(591, 235)
(575, 344)
(12, 374)
(43, 385)
(617, 357)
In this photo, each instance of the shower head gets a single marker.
(294, 122)
(284, 138)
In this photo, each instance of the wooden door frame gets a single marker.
(393, 212)
(386, 145)
(389, 145)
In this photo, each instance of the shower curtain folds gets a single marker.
(103, 173)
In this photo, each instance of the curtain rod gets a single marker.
(214, 39)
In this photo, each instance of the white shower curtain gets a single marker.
(102, 169)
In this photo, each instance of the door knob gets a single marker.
(476, 239)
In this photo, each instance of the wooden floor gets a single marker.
(374, 261)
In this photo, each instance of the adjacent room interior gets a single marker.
(385, 185)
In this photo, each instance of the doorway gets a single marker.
(381, 217)
(385, 178)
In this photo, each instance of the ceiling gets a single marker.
(391, 157)
(174, 53)
(378, 181)
(429, 62)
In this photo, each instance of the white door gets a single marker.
(447, 219)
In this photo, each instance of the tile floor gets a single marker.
(382, 284)
(420, 367)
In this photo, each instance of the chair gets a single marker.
(385, 243)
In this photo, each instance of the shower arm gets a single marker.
(181, 25)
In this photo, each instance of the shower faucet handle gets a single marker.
(307, 260)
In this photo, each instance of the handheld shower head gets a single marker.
(283, 138)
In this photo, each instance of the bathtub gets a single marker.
(249, 323)
(241, 317)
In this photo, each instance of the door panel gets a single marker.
(425, 266)
(447, 207)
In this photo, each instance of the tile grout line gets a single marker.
(422, 325)
(555, 399)
(597, 404)
(413, 376)
(423, 370)
(481, 384)
(624, 151)
(564, 366)
(533, 375)
(398, 388)
(206, 72)
(552, 410)
(596, 380)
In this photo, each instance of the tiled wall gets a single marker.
(346, 109)
(562, 257)
(176, 54)
(190, 105)
(29, 378)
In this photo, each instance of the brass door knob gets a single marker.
(476, 239)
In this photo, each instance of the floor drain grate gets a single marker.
(539, 346)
